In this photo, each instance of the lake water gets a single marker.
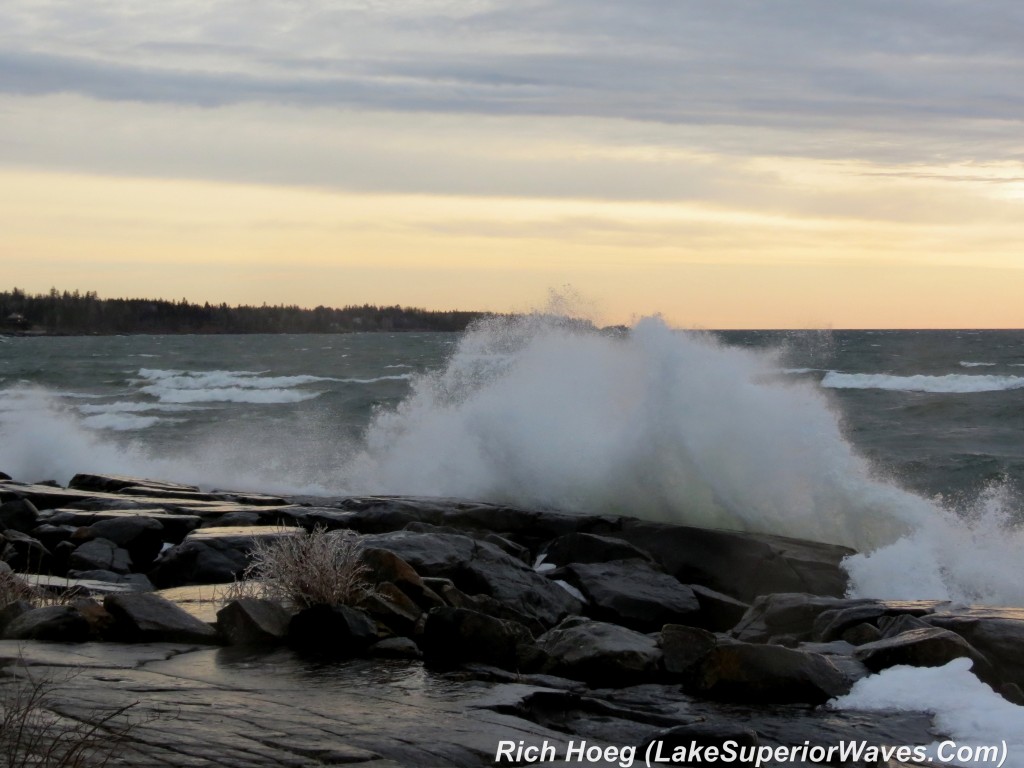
(908, 445)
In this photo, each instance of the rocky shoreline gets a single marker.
(487, 626)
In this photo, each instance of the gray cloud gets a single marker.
(932, 78)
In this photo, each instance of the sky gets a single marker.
(726, 163)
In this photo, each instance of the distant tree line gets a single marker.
(66, 312)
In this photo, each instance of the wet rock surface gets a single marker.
(628, 633)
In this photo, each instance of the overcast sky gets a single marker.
(789, 163)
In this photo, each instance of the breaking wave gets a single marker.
(549, 413)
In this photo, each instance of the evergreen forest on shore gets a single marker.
(75, 313)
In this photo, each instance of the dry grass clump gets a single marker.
(33, 734)
(318, 568)
(13, 589)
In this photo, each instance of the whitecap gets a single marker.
(949, 384)
(228, 395)
(120, 422)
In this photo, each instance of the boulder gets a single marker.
(769, 674)
(19, 515)
(740, 564)
(684, 648)
(213, 555)
(387, 567)
(332, 630)
(175, 526)
(252, 621)
(632, 593)
(390, 606)
(931, 647)
(591, 548)
(890, 626)
(454, 636)
(100, 555)
(115, 483)
(599, 653)
(141, 617)
(136, 582)
(24, 553)
(787, 617)
(396, 648)
(718, 611)
(142, 537)
(55, 623)
(997, 633)
(480, 567)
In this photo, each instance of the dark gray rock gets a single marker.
(142, 537)
(389, 606)
(479, 567)
(742, 565)
(251, 621)
(769, 674)
(787, 617)
(19, 515)
(115, 483)
(11, 611)
(859, 634)
(145, 617)
(932, 647)
(997, 633)
(100, 555)
(890, 626)
(453, 636)
(55, 623)
(632, 593)
(337, 631)
(387, 567)
(136, 582)
(718, 611)
(24, 553)
(591, 548)
(684, 648)
(175, 526)
(396, 648)
(599, 653)
(210, 556)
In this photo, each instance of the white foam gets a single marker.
(130, 407)
(965, 710)
(120, 422)
(227, 395)
(968, 364)
(225, 379)
(397, 377)
(952, 383)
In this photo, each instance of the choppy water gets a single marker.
(907, 445)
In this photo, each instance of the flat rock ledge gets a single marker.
(475, 626)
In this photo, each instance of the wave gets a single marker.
(949, 384)
(396, 377)
(225, 379)
(652, 423)
(120, 422)
(227, 395)
(968, 364)
(131, 407)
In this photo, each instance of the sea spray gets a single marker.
(677, 427)
(654, 423)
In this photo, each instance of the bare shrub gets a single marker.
(304, 569)
(33, 733)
